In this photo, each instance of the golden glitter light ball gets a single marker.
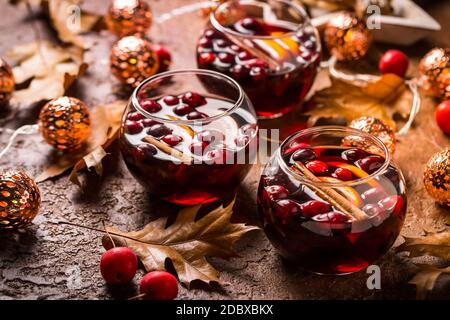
(133, 60)
(434, 70)
(19, 199)
(65, 123)
(7, 82)
(347, 37)
(436, 177)
(129, 17)
(375, 127)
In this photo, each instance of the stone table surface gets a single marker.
(49, 261)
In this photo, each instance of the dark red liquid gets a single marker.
(214, 148)
(313, 233)
(272, 92)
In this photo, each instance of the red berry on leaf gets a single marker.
(394, 61)
(443, 116)
(159, 285)
(118, 265)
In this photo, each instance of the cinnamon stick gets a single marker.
(169, 150)
(332, 196)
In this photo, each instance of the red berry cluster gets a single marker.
(118, 266)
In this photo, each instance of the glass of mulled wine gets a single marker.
(188, 143)
(269, 47)
(331, 200)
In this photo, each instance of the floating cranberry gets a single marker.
(195, 115)
(172, 139)
(149, 122)
(248, 129)
(310, 45)
(370, 164)
(276, 192)
(171, 100)
(182, 110)
(343, 174)
(334, 217)
(205, 42)
(373, 195)
(245, 55)
(295, 146)
(394, 61)
(255, 63)
(258, 73)
(251, 24)
(209, 136)
(132, 127)
(135, 116)
(198, 147)
(353, 154)
(239, 72)
(226, 57)
(313, 207)
(393, 204)
(158, 285)
(304, 36)
(304, 155)
(150, 105)
(118, 265)
(222, 43)
(212, 34)
(193, 99)
(164, 57)
(284, 209)
(317, 167)
(235, 48)
(159, 130)
(144, 152)
(206, 58)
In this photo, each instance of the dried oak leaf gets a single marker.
(67, 17)
(432, 244)
(106, 121)
(51, 69)
(383, 99)
(426, 278)
(186, 242)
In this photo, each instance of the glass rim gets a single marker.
(335, 129)
(216, 24)
(162, 75)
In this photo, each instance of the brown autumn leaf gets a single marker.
(186, 242)
(67, 18)
(106, 121)
(432, 244)
(426, 278)
(383, 99)
(51, 69)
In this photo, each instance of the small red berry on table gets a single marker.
(443, 116)
(394, 61)
(118, 265)
(159, 285)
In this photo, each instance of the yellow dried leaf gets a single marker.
(382, 99)
(52, 70)
(186, 242)
(106, 121)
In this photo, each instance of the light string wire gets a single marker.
(364, 78)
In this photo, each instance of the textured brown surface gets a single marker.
(38, 264)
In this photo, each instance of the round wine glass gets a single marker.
(189, 136)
